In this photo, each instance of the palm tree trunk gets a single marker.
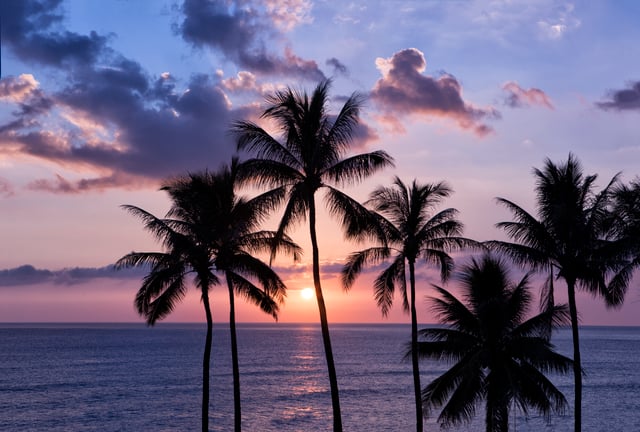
(324, 325)
(237, 416)
(577, 366)
(206, 360)
(497, 410)
(414, 347)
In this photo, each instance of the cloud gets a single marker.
(29, 275)
(17, 89)
(562, 21)
(29, 27)
(338, 67)
(239, 30)
(403, 89)
(517, 97)
(61, 185)
(363, 134)
(6, 188)
(110, 117)
(245, 81)
(625, 99)
(288, 14)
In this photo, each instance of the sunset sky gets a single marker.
(102, 100)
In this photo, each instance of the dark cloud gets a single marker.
(30, 30)
(517, 97)
(625, 99)
(363, 134)
(338, 67)
(111, 115)
(239, 30)
(29, 275)
(403, 89)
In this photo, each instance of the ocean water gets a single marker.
(127, 377)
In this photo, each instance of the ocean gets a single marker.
(128, 377)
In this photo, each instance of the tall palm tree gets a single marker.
(499, 356)
(209, 231)
(310, 155)
(409, 229)
(572, 239)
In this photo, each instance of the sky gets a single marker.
(100, 101)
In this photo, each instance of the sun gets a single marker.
(307, 293)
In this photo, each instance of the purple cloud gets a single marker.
(517, 97)
(128, 126)
(625, 99)
(338, 67)
(403, 89)
(238, 30)
(29, 275)
(28, 29)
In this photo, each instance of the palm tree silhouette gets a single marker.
(626, 216)
(310, 157)
(500, 358)
(573, 239)
(209, 231)
(408, 229)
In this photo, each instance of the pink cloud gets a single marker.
(288, 14)
(518, 97)
(17, 89)
(403, 89)
(6, 188)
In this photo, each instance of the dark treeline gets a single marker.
(499, 350)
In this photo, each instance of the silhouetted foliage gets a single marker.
(573, 239)
(499, 356)
(209, 231)
(310, 155)
(406, 229)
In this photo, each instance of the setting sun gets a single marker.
(307, 293)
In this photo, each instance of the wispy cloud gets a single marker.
(6, 188)
(624, 99)
(518, 97)
(404, 89)
(29, 275)
(560, 21)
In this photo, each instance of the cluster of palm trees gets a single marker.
(210, 233)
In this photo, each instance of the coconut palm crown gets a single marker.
(572, 239)
(500, 357)
(311, 154)
(408, 230)
(209, 232)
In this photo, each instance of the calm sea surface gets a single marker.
(126, 377)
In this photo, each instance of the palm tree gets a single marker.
(409, 230)
(209, 231)
(626, 213)
(310, 156)
(572, 239)
(499, 356)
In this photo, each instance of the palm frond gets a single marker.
(356, 260)
(357, 222)
(450, 310)
(354, 169)
(255, 140)
(385, 284)
(252, 293)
